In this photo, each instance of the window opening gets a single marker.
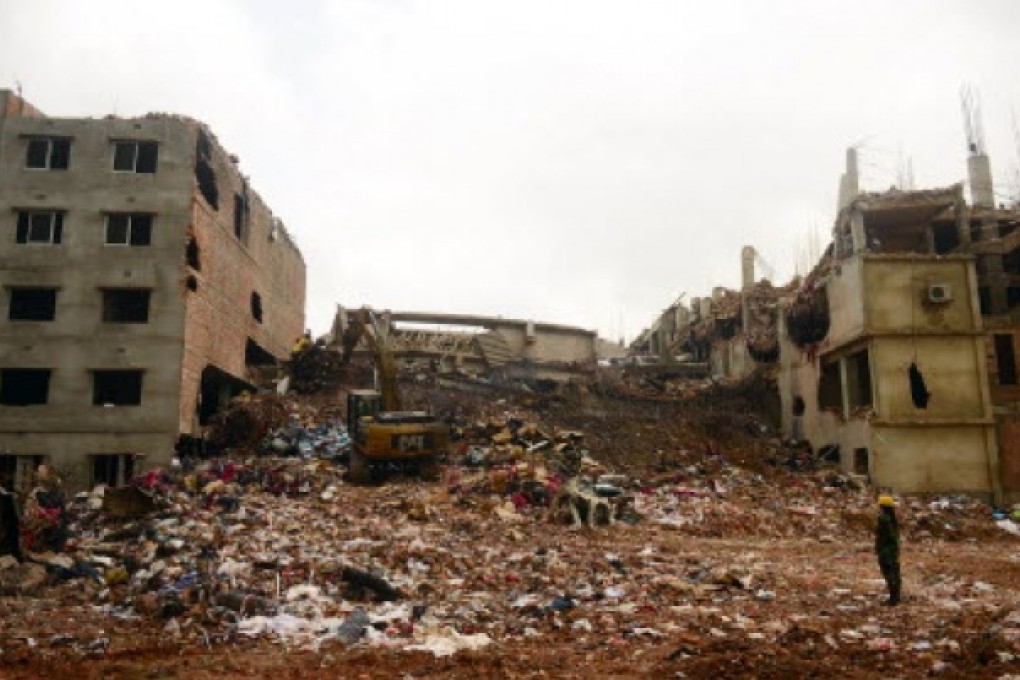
(191, 254)
(126, 305)
(128, 229)
(984, 300)
(919, 393)
(861, 466)
(24, 386)
(117, 388)
(50, 153)
(858, 378)
(798, 406)
(830, 387)
(240, 215)
(16, 471)
(256, 307)
(207, 183)
(256, 355)
(33, 304)
(947, 237)
(132, 156)
(1005, 359)
(41, 227)
(113, 469)
(216, 390)
(191, 282)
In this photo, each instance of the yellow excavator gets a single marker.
(384, 436)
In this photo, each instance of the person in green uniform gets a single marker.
(887, 546)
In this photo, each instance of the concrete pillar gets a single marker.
(857, 235)
(747, 267)
(979, 171)
(849, 181)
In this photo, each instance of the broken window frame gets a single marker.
(122, 313)
(34, 395)
(135, 156)
(55, 155)
(108, 395)
(27, 310)
(117, 468)
(137, 229)
(39, 227)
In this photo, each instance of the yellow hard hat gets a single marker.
(886, 501)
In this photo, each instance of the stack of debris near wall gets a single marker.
(315, 369)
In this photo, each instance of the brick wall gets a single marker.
(218, 317)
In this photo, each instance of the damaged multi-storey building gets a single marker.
(144, 282)
(898, 350)
(731, 332)
(896, 355)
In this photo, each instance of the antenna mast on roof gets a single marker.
(979, 167)
(970, 102)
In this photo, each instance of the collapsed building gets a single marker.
(145, 284)
(472, 344)
(731, 331)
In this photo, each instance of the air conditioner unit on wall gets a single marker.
(940, 293)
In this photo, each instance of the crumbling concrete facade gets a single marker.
(142, 278)
(885, 353)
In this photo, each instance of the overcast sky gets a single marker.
(576, 162)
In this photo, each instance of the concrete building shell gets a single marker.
(224, 283)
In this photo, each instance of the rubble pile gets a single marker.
(762, 332)
(315, 369)
(546, 545)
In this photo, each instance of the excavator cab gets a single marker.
(361, 403)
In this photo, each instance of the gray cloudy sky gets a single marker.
(581, 162)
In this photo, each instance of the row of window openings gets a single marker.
(120, 305)
(46, 227)
(31, 387)
(111, 469)
(54, 153)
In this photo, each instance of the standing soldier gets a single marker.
(887, 546)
